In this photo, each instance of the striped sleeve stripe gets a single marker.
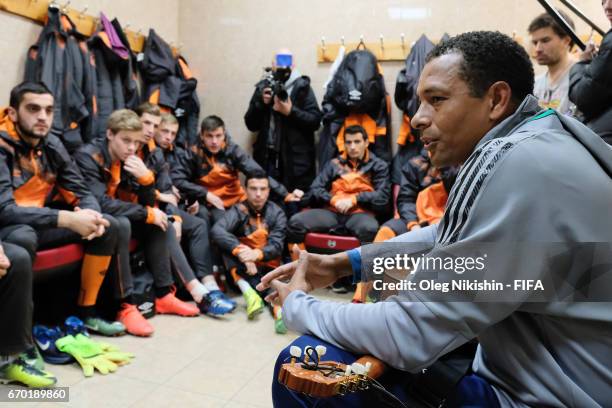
(467, 191)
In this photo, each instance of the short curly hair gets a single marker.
(488, 57)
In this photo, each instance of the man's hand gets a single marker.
(344, 205)
(5, 263)
(295, 196)
(589, 52)
(282, 107)
(251, 268)
(248, 255)
(160, 219)
(102, 223)
(266, 96)
(168, 198)
(319, 271)
(194, 208)
(135, 166)
(215, 201)
(176, 192)
(89, 224)
(178, 229)
(299, 281)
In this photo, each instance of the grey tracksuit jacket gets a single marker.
(533, 178)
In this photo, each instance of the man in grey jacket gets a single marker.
(528, 176)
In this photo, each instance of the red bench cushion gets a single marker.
(54, 258)
(332, 242)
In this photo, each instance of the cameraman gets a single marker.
(285, 113)
(590, 81)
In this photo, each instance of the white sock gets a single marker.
(243, 285)
(197, 290)
(211, 283)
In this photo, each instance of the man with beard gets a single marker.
(552, 49)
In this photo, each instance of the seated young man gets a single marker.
(125, 188)
(421, 201)
(37, 172)
(422, 196)
(353, 188)
(208, 172)
(190, 229)
(17, 353)
(251, 235)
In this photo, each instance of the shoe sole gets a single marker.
(95, 330)
(256, 312)
(4, 381)
(178, 314)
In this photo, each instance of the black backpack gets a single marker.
(357, 86)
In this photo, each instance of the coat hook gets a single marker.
(323, 46)
(403, 39)
(361, 43)
(382, 43)
(342, 40)
(65, 7)
(82, 13)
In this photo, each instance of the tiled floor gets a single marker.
(189, 362)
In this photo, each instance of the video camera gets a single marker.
(275, 78)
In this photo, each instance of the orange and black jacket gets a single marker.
(153, 158)
(417, 175)
(33, 178)
(365, 181)
(172, 155)
(198, 171)
(263, 230)
(118, 192)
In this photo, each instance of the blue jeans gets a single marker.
(473, 391)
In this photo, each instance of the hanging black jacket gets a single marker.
(115, 79)
(293, 135)
(168, 82)
(591, 89)
(406, 99)
(377, 126)
(60, 60)
(356, 95)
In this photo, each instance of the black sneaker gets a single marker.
(339, 287)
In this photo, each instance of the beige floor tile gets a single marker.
(235, 404)
(164, 397)
(108, 391)
(258, 390)
(217, 380)
(17, 404)
(154, 366)
(67, 375)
